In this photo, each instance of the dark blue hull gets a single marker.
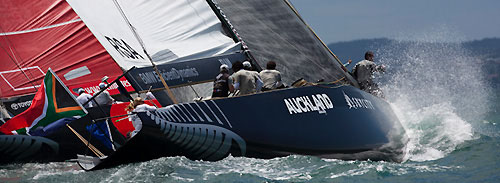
(23, 148)
(62, 145)
(327, 121)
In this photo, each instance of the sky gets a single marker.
(448, 20)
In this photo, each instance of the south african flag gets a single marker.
(52, 107)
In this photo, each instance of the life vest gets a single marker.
(221, 85)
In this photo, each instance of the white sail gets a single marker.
(170, 29)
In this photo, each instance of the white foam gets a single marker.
(437, 90)
(52, 169)
(274, 169)
(350, 173)
(433, 131)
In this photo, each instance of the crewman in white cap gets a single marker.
(244, 81)
(84, 97)
(104, 98)
(222, 84)
(258, 81)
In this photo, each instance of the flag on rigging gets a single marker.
(52, 107)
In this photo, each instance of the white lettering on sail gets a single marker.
(303, 104)
(356, 103)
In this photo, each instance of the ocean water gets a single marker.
(438, 91)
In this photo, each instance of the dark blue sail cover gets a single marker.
(181, 73)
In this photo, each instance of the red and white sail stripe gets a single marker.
(36, 35)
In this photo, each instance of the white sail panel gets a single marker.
(170, 30)
(105, 21)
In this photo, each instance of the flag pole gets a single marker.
(83, 108)
(87, 143)
(114, 81)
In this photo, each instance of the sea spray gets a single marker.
(438, 90)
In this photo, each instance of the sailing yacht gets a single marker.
(175, 48)
(179, 46)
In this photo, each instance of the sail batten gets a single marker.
(40, 28)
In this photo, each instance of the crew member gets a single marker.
(138, 105)
(104, 98)
(84, 97)
(271, 77)
(222, 84)
(259, 83)
(363, 72)
(243, 80)
(150, 96)
(348, 63)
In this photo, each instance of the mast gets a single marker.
(169, 92)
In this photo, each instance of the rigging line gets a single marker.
(204, 21)
(284, 39)
(14, 53)
(15, 60)
(19, 67)
(134, 31)
(2, 33)
(18, 55)
(232, 30)
(317, 37)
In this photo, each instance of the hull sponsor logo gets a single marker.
(303, 104)
(19, 105)
(357, 103)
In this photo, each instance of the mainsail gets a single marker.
(36, 35)
(274, 31)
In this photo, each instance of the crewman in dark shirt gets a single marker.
(222, 84)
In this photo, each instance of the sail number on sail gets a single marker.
(303, 104)
(123, 48)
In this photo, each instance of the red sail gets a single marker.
(36, 35)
